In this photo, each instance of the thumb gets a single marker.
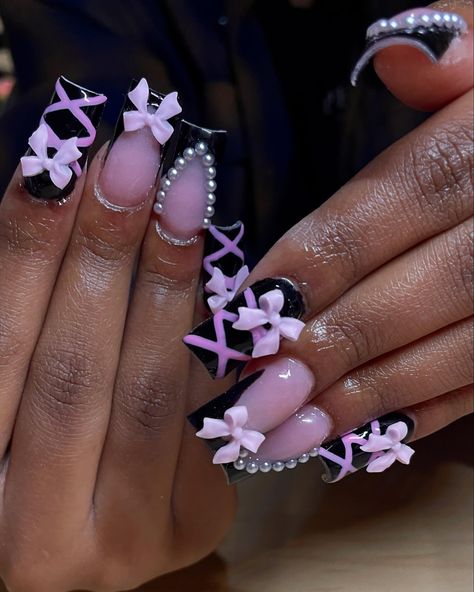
(424, 56)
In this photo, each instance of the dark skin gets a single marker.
(104, 485)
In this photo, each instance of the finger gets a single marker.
(152, 382)
(414, 78)
(65, 410)
(416, 189)
(35, 226)
(437, 364)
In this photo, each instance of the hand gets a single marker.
(385, 271)
(100, 488)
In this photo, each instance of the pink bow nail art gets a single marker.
(268, 313)
(392, 447)
(58, 166)
(157, 121)
(224, 288)
(233, 428)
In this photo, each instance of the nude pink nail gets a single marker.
(132, 164)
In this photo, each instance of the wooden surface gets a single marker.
(408, 530)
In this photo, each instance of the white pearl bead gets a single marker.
(189, 153)
(426, 18)
(437, 18)
(278, 466)
(210, 199)
(208, 159)
(393, 24)
(239, 464)
(314, 452)
(165, 184)
(206, 223)
(158, 208)
(291, 464)
(265, 466)
(243, 453)
(383, 24)
(180, 163)
(304, 458)
(201, 148)
(211, 172)
(211, 185)
(173, 174)
(252, 467)
(410, 20)
(209, 212)
(160, 196)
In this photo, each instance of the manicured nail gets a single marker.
(430, 31)
(58, 149)
(252, 325)
(145, 124)
(294, 442)
(374, 446)
(186, 197)
(269, 396)
(224, 268)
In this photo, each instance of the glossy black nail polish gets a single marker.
(74, 112)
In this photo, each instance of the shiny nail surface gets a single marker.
(144, 128)
(252, 325)
(375, 446)
(58, 148)
(430, 31)
(186, 196)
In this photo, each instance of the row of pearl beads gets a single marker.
(412, 21)
(189, 154)
(266, 466)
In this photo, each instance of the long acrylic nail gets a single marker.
(186, 197)
(430, 31)
(252, 325)
(145, 125)
(58, 149)
(375, 446)
(270, 396)
(224, 269)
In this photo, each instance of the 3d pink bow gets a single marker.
(232, 427)
(58, 165)
(391, 444)
(270, 305)
(219, 284)
(156, 121)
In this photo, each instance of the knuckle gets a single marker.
(148, 401)
(105, 248)
(459, 262)
(64, 379)
(440, 165)
(21, 237)
(12, 344)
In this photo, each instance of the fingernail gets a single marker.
(269, 396)
(224, 266)
(145, 125)
(58, 148)
(375, 446)
(186, 197)
(251, 326)
(430, 31)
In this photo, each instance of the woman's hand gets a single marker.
(99, 489)
(385, 268)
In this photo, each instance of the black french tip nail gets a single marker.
(430, 31)
(74, 111)
(215, 409)
(344, 456)
(219, 346)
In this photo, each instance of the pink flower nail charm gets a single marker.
(157, 121)
(392, 447)
(224, 288)
(58, 166)
(232, 427)
(268, 313)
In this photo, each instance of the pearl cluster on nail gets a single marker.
(265, 466)
(200, 150)
(414, 20)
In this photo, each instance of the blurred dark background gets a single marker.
(275, 74)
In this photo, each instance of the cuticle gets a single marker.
(176, 242)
